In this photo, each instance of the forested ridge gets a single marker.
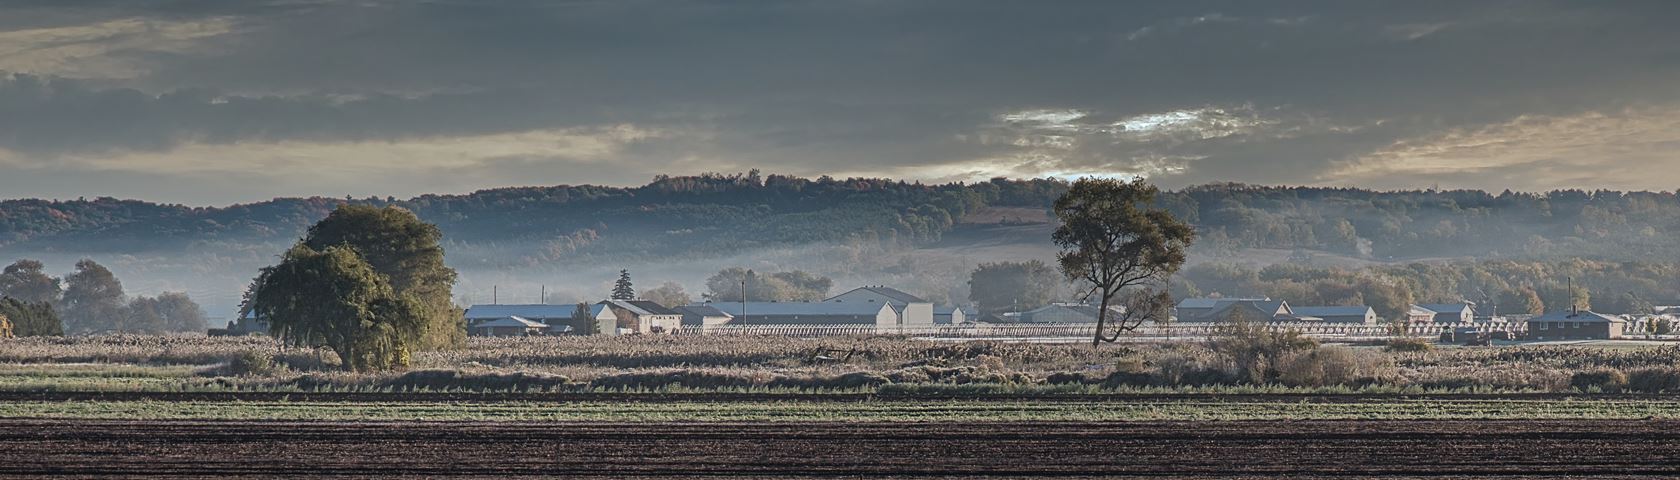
(716, 214)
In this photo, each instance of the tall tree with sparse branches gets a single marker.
(1113, 240)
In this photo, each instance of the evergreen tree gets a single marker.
(585, 323)
(622, 290)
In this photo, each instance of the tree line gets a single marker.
(89, 299)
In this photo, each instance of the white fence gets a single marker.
(1086, 330)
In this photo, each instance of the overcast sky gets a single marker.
(214, 102)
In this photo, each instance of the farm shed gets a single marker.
(911, 309)
(511, 326)
(1340, 314)
(810, 313)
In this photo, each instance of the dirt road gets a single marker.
(1339, 449)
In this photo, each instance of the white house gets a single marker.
(642, 316)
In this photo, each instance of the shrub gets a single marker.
(1254, 347)
(440, 380)
(1654, 380)
(1601, 380)
(1409, 344)
(252, 363)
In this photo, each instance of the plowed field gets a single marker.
(1269, 449)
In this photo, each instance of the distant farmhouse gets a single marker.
(1464, 312)
(644, 317)
(1575, 325)
(246, 324)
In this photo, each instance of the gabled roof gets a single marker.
(702, 311)
(1332, 311)
(1581, 316)
(1458, 308)
(511, 321)
(896, 295)
(1416, 310)
(947, 310)
(641, 307)
(1214, 302)
(801, 308)
(526, 311)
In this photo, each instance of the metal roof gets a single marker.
(511, 321)
(641, 307)
(702, 311)
(800, 308)
(1332, 311)
(893, 294)
(1214, 302)
(1445, 307)
(1581, 316)
(526, 311)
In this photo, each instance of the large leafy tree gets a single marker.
(1002, 286)
(1114, 241)
(333, 298)
(31, 319)
(397, 244)
(668, 294)
(24, 280)
(791, 286)
(93, 299)
(168, 312)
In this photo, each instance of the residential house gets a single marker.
(1464, 312)
(1340, 314)
(510, 326)
(912, 310)
(809, 313)
(642, 316)
(704, 316)
(1575, 325)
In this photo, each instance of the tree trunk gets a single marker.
(1102, 316)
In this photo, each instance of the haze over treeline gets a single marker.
(925, 237)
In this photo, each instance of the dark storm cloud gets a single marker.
(1186, 92)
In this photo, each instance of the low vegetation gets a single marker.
(1248, 363)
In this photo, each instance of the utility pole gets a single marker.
(494, 299)
(543, 297)
(743, 299)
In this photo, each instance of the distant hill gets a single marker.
(858, 228)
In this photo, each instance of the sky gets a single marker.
(217, 102)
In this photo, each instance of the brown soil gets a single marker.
(1322, 449)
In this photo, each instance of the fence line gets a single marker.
(1064, 330)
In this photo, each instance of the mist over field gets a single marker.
(566, 244)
